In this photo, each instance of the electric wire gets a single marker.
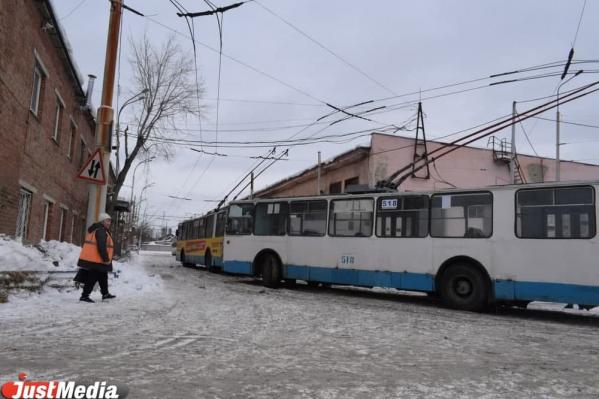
(73, 10)
(325, 48)
(579, 23)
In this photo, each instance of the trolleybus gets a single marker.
(200, 240)
(515, 243)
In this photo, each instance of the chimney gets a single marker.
(89, 91)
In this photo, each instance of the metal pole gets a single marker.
(97, 193)
(557, 123)
(318, 178)
(557, 144)
(252, 185)
(513, 147)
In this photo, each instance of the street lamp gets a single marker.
(141, 225)
(135, 170)
(557, 122)
(138, 97)
(132, 213)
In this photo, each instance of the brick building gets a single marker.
(46, 128)
(467, 167)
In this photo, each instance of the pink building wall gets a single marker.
(467, 167)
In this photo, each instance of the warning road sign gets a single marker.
(93, 169)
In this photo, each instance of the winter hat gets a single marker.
(103, 217)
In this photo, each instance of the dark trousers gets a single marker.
(90, 277)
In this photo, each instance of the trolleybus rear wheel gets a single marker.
(271, 271)
(208, 261)
(184, 262)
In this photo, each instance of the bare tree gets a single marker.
(164, 80)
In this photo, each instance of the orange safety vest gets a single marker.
(89, 251)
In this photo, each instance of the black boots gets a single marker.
(86, 299)
(108, 296)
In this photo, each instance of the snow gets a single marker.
(200, 334)
(16, 257)
(129, 277)
(48, 256)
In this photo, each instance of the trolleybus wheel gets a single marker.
(184, 262)
(208, 261)
(464, 287)
(271, 271)
(290, 282)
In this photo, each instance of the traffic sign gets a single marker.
(93, 169)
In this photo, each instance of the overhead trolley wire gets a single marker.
(325, 48)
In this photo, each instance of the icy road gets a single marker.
(206, 335)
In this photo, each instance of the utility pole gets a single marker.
(97, 193)
(513, 146)
(252, 185)
(318, 178)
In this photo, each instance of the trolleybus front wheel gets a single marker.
(464, 287)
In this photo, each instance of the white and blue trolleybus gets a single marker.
(512, 244)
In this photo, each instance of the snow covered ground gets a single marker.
(187, 333)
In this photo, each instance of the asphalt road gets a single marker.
(216, 336)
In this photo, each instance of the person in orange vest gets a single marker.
(95, 260)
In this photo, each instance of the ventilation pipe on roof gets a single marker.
(89, 91)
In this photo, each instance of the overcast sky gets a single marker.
(395, 47)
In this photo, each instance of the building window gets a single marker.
(351, 182)
(23, 214)
(72, 228)
(402, 216)
(567, 212)
(271, 219)
(72, 135)
(308, 218)
(82, 152)
(240, 219)
(47, 216)
(38, 85)
(468, 215)
(335, 188)
(351, 218)
(62, 225)
(57, 118)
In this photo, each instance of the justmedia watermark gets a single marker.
(26, 389)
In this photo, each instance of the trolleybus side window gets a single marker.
(199, 228)
(271, 218)
(239, 221)
(561, 212)
(308, 218)
(221, 220)
(402, 216)
(351, 217)
(209, 225)
(467, 215)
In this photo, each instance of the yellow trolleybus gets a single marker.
(200, 240)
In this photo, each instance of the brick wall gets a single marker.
(30, 157)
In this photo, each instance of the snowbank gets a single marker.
(129, 277)
(17, 257)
